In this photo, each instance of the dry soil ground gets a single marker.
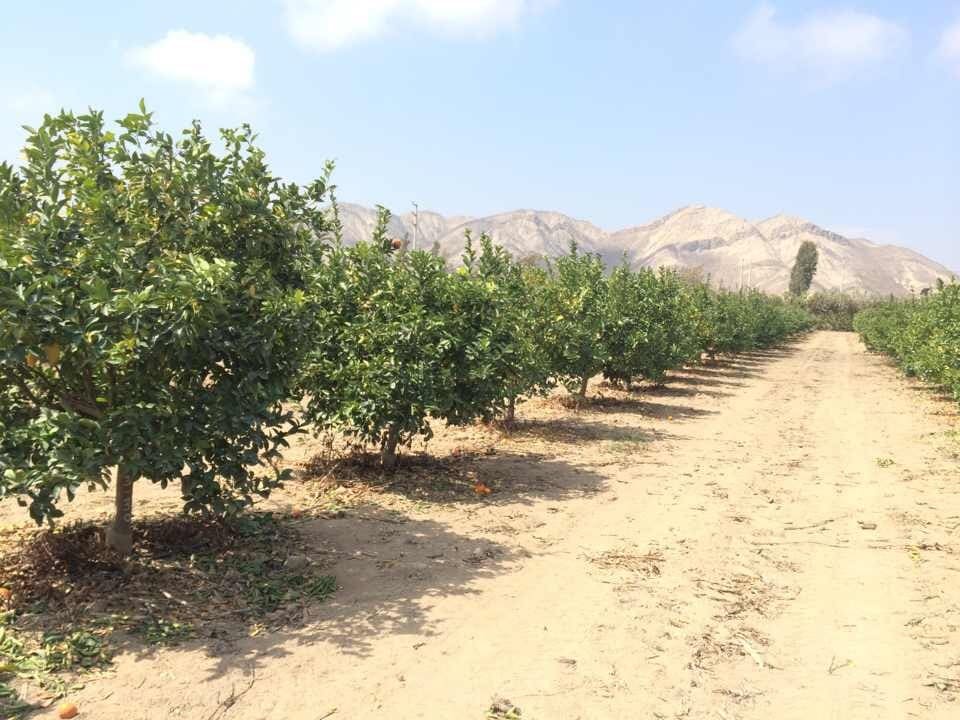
(773, 536)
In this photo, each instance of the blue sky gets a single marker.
(615, 112)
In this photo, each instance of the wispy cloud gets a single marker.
(219, 66)
(328, 25)
(23, 107)
(949, 48)
(832, 43)
(35, 101)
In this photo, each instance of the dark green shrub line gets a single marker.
(922, 335)
(836, 310)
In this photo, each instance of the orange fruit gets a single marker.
(52, 352)
(67, 710)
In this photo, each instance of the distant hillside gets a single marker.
(730, 250)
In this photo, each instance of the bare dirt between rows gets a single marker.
(772, 536)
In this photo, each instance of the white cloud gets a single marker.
(473, 15)
(25, 107)
(333, 24)
(33, 102)
(834, 42)
(949, 49)
(218, 65)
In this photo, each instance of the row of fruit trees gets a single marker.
(921, 334)
(171, 311)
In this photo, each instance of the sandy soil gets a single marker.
(769, 537)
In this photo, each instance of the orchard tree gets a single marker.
(376, 369)
(675, 325)
(804, 268)
(152, 302)
(399, 342)
(746, 320)
(511, 325)
(653, 324)
(575, 300)
(626, 327)
(730, 328)
(704, 299)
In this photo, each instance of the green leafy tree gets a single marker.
(626, 327)
(400, 342)
(152, 301)
(746, 320)
(922, 335)
(729, 323)
(514, 319)
(575, 300)
(653, 325)
(676, 339)
(804, 268)
(379, 363)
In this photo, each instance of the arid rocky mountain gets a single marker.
(730, 250)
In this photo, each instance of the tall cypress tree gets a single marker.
(804, 268)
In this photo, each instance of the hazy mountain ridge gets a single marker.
(729, 249)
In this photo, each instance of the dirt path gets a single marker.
(772, 537)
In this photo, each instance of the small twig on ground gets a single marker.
(944, 684)
(394, 521)
(231, 699)
(814, 525)
(834, 667)
(802, 542)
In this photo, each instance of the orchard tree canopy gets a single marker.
(576, 299)
(400, 341)
(153, 293)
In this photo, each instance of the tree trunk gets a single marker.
(388, 448)
(511, 412)
(582, 394)
(119, 535)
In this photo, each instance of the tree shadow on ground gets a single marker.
(574, 431)
(692, 377)
(510, 477)
(378, 569)
(633, 404)
(387, 570)
(389, 564)
(937, 393)
(934, 392)
(726, 370)
(679, 391)
(763, 357)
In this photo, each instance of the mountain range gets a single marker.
(731, 251)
